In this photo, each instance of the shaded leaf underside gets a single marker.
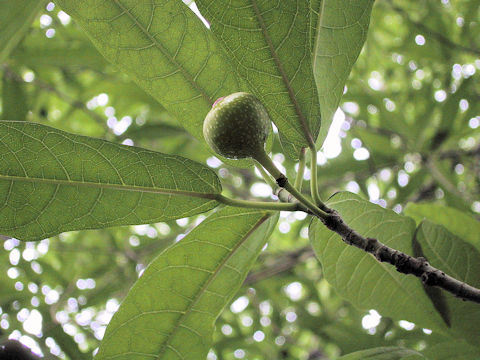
(170, 312)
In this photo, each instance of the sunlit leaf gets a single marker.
(165, 48)
(171, 311)
(457, 222)
(15, 19)
(361, 279)
(52, 181)
(270, 44)
(341, 34)
(460, 260)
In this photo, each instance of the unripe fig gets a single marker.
(237, 126)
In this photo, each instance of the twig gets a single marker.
(404, 263)
(457, 153)
(425, 193)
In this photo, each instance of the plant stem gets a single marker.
(299, 196)
(257, 204)
(268, 179)
(282, 194)
(282, 181)
(314, 178)
(301, 170)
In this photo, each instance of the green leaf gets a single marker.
(165, 48)
(450, 108)
(376, 143)
(269, 43)
(64, 341)
(155, 131)
(415, 182)
(460, 260)
(384, 353)
(340, 38)
(457, 222)
(16, 18)
(52, 181)
(171, 311)
(361, 279)
(448, 350)
(14, 100)
(76, 55)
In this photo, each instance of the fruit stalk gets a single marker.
(282, 181)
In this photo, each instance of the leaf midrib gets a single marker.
(291, 94)
(131, 188)
(159, 46)
(166, 345)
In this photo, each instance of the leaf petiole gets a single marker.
(258, 204)
(301, 170)
(314, 178)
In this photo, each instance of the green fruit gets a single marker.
(237, 126)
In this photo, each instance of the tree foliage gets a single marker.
(124, 236)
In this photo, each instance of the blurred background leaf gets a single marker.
(16, 18)
(384, 354)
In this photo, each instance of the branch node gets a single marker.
(430, 278)
(402, 262)
(371, 245)
(382, 254)
(282, 181)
